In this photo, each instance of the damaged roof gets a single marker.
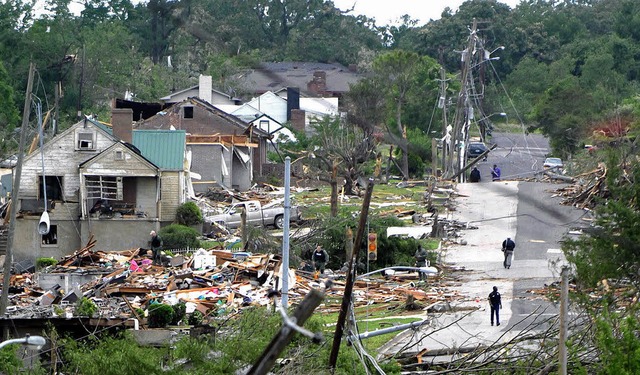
(164, 148)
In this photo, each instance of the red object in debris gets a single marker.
(134, 266)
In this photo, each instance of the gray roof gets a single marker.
(272, 76)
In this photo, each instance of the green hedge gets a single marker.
(176, 236)
(189, 214)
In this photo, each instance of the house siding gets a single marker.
(28, 245)
(171, 183)
(130, 165)
(60, 161)
(206, 160)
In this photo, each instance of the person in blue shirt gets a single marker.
(495, 173)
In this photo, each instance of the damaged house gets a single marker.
(99, 184)
(222, 150)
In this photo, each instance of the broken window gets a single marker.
(188, 112)
(85, 141)
(51, 238)
(104, 187)
(54, 188)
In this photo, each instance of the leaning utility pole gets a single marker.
(15, 195)
(289, 327)
(351, 277)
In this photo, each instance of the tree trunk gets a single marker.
(403, 144)
(334, 190)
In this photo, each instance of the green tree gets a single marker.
(9, 116)
(406, 81)
(562, 114)
(610, 249)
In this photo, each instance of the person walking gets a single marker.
(495, 173)
(496, 304)
(156, 247)
(507, 248)
(421, 261)
(320, 259)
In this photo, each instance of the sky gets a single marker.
(384, 11)
(389, 11)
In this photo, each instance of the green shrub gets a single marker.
(9, 362)
(86, 307)
(179, 312)
(45, 262)
(176, 236)
(189, 214)
(196, 318)
(160, 315)
(107, 355)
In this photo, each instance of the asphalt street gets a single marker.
(529, 213)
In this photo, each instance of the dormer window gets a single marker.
(85, 141)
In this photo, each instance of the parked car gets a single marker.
(256, 215)
(475, 149)
(553, 163)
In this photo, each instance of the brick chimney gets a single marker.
(297, 120)
(122, 123)
(293, 100)
(204, 88)
(318, 84)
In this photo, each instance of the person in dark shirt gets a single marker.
(475, 175)
(421, 261)
(156, 246)
(496, 304)
(320, 259)
(507, 248)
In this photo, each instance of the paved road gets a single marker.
(517, 155)
(525, 211)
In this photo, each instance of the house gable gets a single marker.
(270, 104)
(120, 161)
(62, 155)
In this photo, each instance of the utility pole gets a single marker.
(564, 308)
(442, 103)
(15, 195)
(351, 277)
(460, 129)
(285, 233)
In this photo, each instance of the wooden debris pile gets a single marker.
(214, 282)
(590, 187)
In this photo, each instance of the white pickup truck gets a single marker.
(256, 215)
